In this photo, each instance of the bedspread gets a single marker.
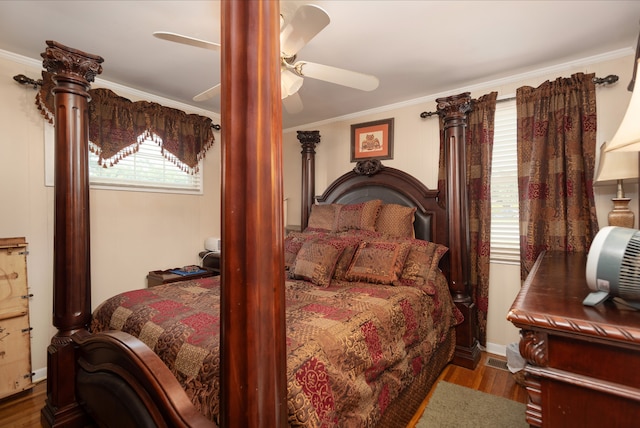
(351, 347)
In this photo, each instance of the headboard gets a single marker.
(372, 180)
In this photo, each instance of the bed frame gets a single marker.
(112, 379)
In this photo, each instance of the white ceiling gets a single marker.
(416, 48)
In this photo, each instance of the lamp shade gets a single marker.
(627, 137)
(616, 165)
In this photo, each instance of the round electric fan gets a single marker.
(613, 266)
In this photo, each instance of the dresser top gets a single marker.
(552, 296)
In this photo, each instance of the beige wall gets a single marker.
(133, 232)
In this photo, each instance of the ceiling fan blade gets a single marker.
(293, 104)
(186, 40)
(340, 76)
(209, 93)
(307, 21)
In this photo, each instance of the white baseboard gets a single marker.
(496, 349)
(39, 374)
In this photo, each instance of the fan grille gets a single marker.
(630, 270)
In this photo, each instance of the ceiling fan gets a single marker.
(306, 23)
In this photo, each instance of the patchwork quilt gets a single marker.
(352, 346)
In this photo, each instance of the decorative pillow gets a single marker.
(378, 262)
(358, 216)
(351, 242)
(421, 265)
(292, 244)
(396, 220)
(322, 217)
(316, 260)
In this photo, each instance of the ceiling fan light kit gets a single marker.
(290, 82)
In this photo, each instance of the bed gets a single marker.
(107, 376)
(368, 313)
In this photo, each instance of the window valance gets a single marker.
(116, 125)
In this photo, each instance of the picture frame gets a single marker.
(372, 140)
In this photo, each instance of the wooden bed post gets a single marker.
(72, 71)
(253, 345)
(308, 140)
(453, 111)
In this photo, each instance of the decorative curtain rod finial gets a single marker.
(610, 79)
(426, 114)
(24, 80)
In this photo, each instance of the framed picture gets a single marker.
(372, 140)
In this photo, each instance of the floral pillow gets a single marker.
(316, 261)
(396, 220)
(361, 216)
(378, 262)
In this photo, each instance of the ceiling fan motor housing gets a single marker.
(613, 263)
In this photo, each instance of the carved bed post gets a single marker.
(253, 383)
(308, 140)
(72, 71)
(453, 111)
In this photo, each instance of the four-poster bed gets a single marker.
(112, 377)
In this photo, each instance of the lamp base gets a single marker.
(621, 215)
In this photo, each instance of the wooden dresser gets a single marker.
(584, 362)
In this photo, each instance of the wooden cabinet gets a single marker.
(15, 331)
(583, 361)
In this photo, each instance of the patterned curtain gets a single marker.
(116, 123)
(556, 159)
(479, 150)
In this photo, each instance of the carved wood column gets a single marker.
(72, 71)
(308, 140)
(453, 110)
(253, 344)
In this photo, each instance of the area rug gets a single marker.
(457, 406)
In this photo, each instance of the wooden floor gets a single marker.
(23, 410)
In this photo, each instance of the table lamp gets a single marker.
(627, 137)
(616, 166)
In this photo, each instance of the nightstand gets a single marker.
(158, 277)
(211, 260)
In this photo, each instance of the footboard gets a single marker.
(121, 382)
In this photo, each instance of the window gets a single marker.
(505, 224)
(146, 170)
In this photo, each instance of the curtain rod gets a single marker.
(610, 79)
(24, 80)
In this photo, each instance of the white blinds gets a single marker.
(146, 170)
(505, 231)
